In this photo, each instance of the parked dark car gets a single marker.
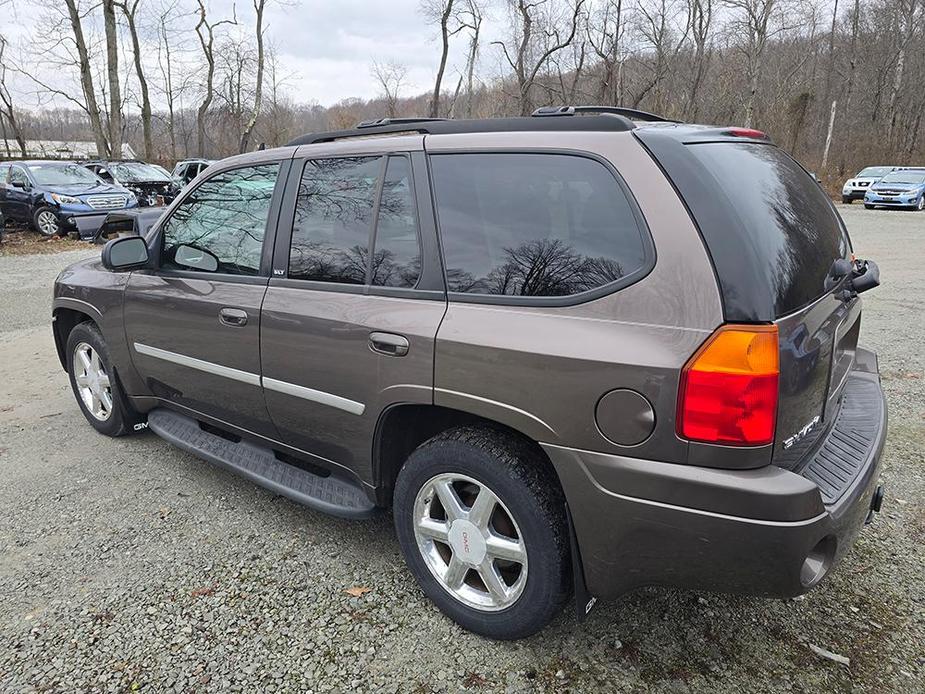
(581, 352)
(150, 185)
(58, 197)
(902, 188)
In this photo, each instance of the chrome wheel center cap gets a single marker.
(467, 542)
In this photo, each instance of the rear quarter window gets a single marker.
(535, 225)
(786, 221)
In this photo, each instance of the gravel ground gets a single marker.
(129, 565)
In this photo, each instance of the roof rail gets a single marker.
(631, 113)
(377, 122)
(615, 122)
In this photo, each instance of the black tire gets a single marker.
(514, 471)
(868, 207)
(920, 205)
(122, 418)
(41, 224)
(847, 201)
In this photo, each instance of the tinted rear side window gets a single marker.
(787, 223)
(538, 225)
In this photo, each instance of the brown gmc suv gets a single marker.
(579, 352)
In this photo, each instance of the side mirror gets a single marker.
(19, 184)
(127, 253)
(866, 275)
(195, 258)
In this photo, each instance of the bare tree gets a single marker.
(391, 77)
(259, 6)
(472, 17)
(700, 16)
(755, 20)
(605, 32)
(86, 79)
(205, 30)
(664, 41)
(441, 12)
(908, 22)
(112, 69)
(7, 112)
(536, 36)
(130, 12)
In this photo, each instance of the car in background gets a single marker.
(152, 187)
(186, 170)
(902, 188)
(59, 197)
(855, 188)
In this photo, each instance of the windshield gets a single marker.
(874, 171)
(913, 177)
(61, 174)
(133, 172)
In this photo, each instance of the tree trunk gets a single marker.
(142, 82)
(445, 50)
(259, 6)
(828, 136)
(115, 92)
(7, 112)
(86, 80)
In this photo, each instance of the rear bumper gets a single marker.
(762, 532)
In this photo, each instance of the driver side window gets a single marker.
(18, 175)
(221, 225)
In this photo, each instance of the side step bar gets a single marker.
(330, 494)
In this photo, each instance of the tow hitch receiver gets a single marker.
(876, 502)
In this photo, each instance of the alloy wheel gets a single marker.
(470, 542)
(47, 223)
(92, 381)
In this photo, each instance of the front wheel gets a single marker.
(46, 222)
(920, 205)
(868, 207)
(481, 523)
(847, 201)
(95, 384)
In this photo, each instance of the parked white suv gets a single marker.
(855, 188)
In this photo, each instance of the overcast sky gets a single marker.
(326, 47)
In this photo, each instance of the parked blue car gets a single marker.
(903, 188)
(58, 197)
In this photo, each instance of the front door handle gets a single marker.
(233, 317)
(389, 343)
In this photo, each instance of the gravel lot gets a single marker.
(129, 565)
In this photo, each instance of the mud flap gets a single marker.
(584, 601)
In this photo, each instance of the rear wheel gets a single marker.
(481, 523)
(46, 222)
(95, 384)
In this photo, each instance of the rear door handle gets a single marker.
(389, 343)
(233, 317)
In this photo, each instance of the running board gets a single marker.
(258, 464)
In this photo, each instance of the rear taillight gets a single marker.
(728, 392)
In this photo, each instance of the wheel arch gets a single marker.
(403, 427)
(65, 318)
